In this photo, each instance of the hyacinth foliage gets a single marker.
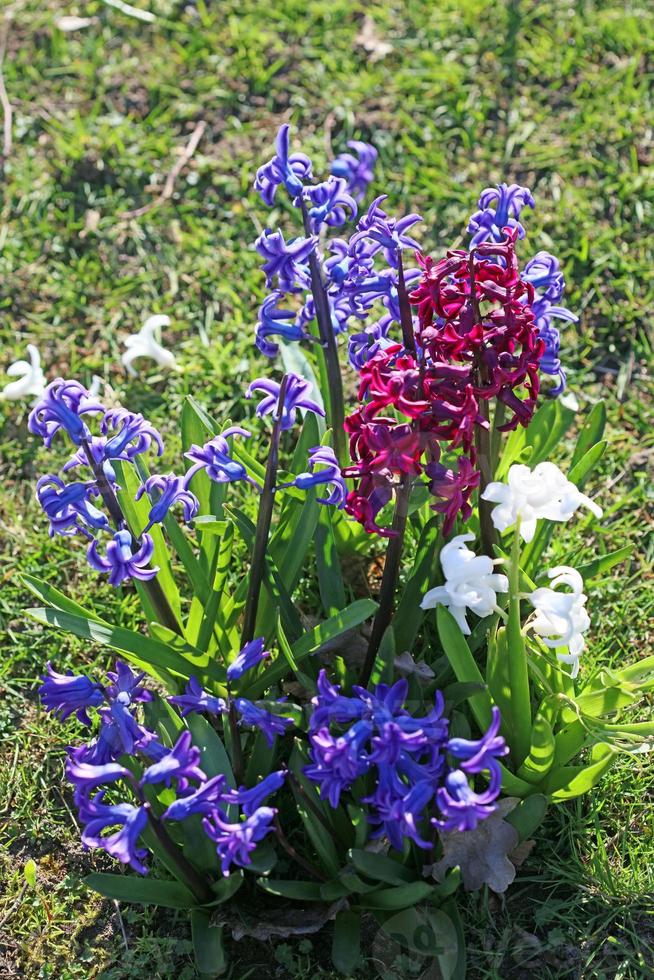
(260, 742)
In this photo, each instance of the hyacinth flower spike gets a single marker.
(30, 381)
(296, 396)
(147, 343)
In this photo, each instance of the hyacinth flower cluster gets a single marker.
(113, 773)
(408, 770)
(350, 279)
(500, 207)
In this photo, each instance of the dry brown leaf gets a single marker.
(483, 853)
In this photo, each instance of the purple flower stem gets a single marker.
(482, 439)
(406, 320)
(328, 343)
(195, 881)
(290, 850)
(156, 594)
(389, 578)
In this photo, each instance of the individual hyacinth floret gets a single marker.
(289, 169)
(62, 406)
(165, 491)
(296, 398)
(357, 168)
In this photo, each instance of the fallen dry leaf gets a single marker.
(482, 854)
(370, 41)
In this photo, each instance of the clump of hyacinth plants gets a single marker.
(241, 754)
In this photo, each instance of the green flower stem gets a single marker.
(389, 578)
(328, 344)
(264, 518)
(520, 740)
(156, 594)
(195, 881)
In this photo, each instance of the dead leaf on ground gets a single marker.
(285, 922)
(483, 853)
(370, 41)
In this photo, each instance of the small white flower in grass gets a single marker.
(544, 492)
(31, 379)
(147, 343)
(470, 582)
(561, 617)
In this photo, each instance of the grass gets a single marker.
(552, 93)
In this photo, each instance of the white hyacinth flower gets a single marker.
(147, 343)
(470, 582)
(561, 617)
(544, 492)
(31, 379)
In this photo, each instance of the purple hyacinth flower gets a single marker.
(64, 694)
(544, 314)
(289, 170)
(349, 261)
(180, 763)
(362, 346)
(330, 474)
(461, 806)
(329, 706)
(331, 203)
(268, 724)
(128, 731)
(204, 800)
(337, 761)
(122, 845)
(286, 260)
(126, 685)
(398, 816)
(165, 491)
(251, 655)
(68, 507)
(128, 434)
(273, 322)
(107, 747)
(388, 234)
(479, 755)
(120, 562)
(97, 446)
(498, 207)
(236, 841)
(251, 799)
(544, 274)
(297, 390)
(85, 776)
(357, 170)
(215, 460)
(195, 698)
(61, 407)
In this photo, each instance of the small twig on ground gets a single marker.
(121, 924)
(12, 908)
(169, 186)
(7, 111)
(130, 11)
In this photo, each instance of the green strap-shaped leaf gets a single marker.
(463, 664)
(591, 432)
(208, 946)
(299, 891)
(346, 942)
(528, 815)
(580, 472)
(53, 597)
(541, 753)
(149, 652)
(402, 897)
(330, 577)
(424, 575)
(571, 781)
(347, 619)
(380, 868)
(141, 891)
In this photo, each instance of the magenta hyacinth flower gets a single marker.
(120, 561)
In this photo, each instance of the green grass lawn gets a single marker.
(456, 95)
